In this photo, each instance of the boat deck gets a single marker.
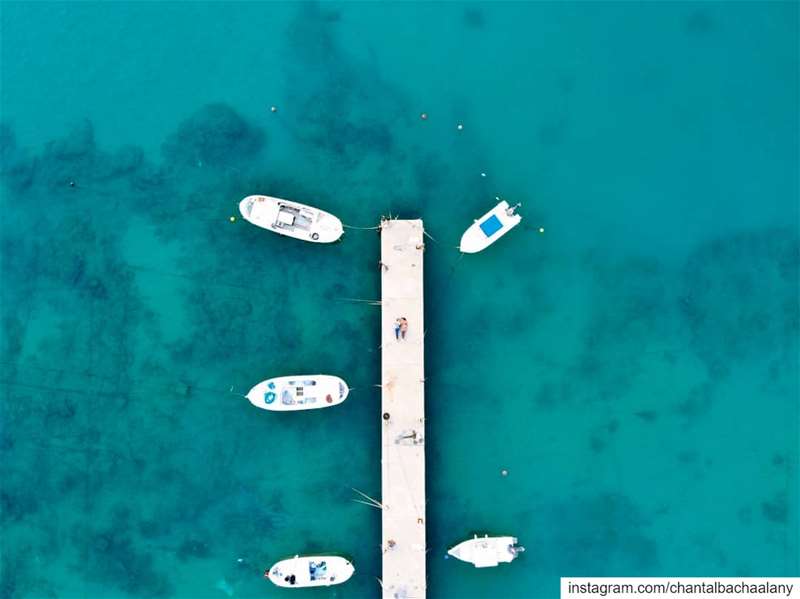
(403, 399)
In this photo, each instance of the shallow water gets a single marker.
(634, 367)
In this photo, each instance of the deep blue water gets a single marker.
(634, 367)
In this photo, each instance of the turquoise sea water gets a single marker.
(634, 367)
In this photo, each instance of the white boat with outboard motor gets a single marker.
(310, 571)
(298, 392)
(490, 227)
(292, 219)
(486, 551)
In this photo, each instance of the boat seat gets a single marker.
(286, 218)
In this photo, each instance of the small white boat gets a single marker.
(310, 571)
(300, 392)
(486, 551)
(291, 218)
(489, 228)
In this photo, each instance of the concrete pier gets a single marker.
(403, 411)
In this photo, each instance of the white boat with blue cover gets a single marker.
(310, 571)
(486, 551)
(299, 392)
(489, 228)
(292, 219)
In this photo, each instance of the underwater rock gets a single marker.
(698, 402)
(8, 143)
(150, 529)
(739, 298)
(12, 573)
(548, 396)
(95, 288)
(79, 142)
(64, 409)
(17, 170)
(6, 440)
(14, 331)
(337, 114)
(214, 136)
(473, 18)
(647, 415)
(17, 500)
(70, 158)
(597, 444)
(776, 509)
(149, 178)
(603, 533)
(699, 22)
(124, 161)
(630, 313)
(113, 560)
(70, 161)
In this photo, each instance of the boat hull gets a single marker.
(291, 219)
(486, 551)
(489, 228)
(299, 392)
(310, 571)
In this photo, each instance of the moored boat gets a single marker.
(489, 228)
(299, 392)
(486, 551)
(292, 219)
(310, 571)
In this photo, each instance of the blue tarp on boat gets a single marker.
(491, 226)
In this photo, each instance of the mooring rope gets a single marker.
(361, 228)
(429, 236)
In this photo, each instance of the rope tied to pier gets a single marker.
(429, 236)
(361, 228)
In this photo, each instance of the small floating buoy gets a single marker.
(504, 472)
(273, 109)
(424, 116)
(72, 183)
(233, 219)
(460, 127)
(541, 229)
(483, 174)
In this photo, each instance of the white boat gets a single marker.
(310, 571)
(489, 228)
(291, 218)
(486, 551)
(300, 392)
